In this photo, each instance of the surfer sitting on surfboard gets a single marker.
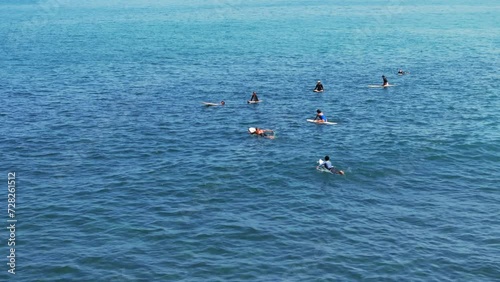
(328, 165)
(319, 87)
(320, 117)
(386, 83)
(261, 132)
(254, 97)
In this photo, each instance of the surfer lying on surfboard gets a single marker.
(222, 103)
(402, 72)
(328, 165)
(261, 132)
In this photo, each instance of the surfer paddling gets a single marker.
(328, 165)
(402, 72)
(262, 132)
(222, 103)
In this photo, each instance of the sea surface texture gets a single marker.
(123, 175)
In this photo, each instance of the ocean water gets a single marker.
(123, 175)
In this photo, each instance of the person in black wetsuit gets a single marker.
(386, 83)
(319, 87)
(254, 97)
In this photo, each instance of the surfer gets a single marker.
(320, 117)
(401, 72)
(222, 103)
(319, 87)
(328, 165)
(254, 97)
(386, 83)
(262, 132)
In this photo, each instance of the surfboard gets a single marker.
(210, 104)
(317, 122)
(380, 86)
(253, 102)
(251, 129)
(318, 91)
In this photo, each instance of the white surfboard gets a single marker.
(318, 122)
(252, 129)
(253, 102)
(210, 104)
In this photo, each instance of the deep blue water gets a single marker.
(123, 175)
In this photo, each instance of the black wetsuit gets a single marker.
(319, 87)
(385, 80)
(254, 97)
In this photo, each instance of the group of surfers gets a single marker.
(320, 118)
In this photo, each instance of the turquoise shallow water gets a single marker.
(123, 175)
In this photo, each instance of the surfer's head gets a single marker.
(318, 111)
(222, 103)
(327, 158)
